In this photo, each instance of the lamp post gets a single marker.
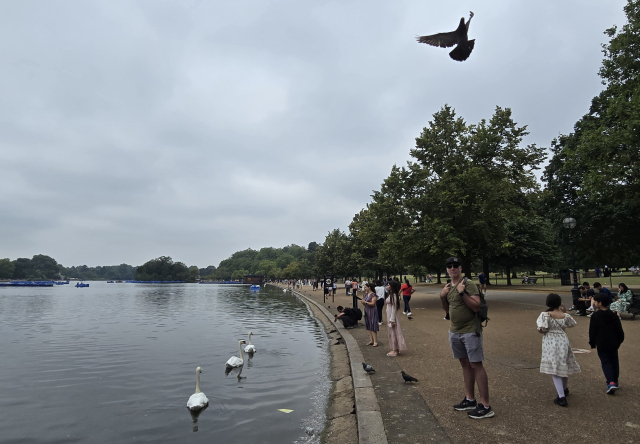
(570, 223)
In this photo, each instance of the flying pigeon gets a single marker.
(367, 368)
(408, 378)
(458, 37)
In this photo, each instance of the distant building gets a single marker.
(255, 279)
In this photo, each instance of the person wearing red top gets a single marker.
(407, 291)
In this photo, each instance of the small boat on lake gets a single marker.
(81, 285)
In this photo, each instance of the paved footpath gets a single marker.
(521, 396)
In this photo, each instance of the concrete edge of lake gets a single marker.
(369, 419)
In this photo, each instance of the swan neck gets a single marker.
(249, 338)
(197, 382)
(240, 348)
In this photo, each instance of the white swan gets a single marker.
(250, 348)
(234, 361)
(198, 400)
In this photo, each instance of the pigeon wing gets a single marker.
(443, 39)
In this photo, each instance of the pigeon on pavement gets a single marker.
(367, 368)
(408, 378)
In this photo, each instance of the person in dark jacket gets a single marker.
(348, 316)
(605, 333)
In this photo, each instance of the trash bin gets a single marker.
(565, 277)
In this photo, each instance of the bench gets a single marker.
(532, 280)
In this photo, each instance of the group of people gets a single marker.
(378, 296)
(461, 299)
(618, 303)
(605, 335)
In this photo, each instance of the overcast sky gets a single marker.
(193, 129)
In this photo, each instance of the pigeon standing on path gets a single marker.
(458, 37)
(367, 368)
(408, 378)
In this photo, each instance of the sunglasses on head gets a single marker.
(453, 265)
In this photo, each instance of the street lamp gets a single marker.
(570, 223)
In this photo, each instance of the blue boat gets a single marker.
(255, 287)
(78, 285)
(27, 284)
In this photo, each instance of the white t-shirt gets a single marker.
(380, 292)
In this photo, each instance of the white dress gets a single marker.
(557, 357)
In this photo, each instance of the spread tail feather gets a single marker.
(462, 51)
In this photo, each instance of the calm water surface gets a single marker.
(116, 363)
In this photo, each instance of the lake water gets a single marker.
(116, 363)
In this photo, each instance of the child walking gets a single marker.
(605, 333)
(557, 358)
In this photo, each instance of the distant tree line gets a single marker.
(292, 261)
(43, 267)
(165, 269)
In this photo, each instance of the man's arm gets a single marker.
(470, 300)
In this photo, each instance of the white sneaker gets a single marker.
(404, 312)
(379, 323)
(409, 314)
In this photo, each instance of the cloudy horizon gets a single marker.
(133, 130)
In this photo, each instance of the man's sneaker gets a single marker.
(591, 309)
(572, 308)
(481, 412)
(611, 388)
(404, 312)
(562, 402)
(589, 315)
(466, 405)
(447, 318)
(409, 314)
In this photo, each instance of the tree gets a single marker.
(6, 268)
(334, 255)
(594, 172)
(466, 184)
(162, 269)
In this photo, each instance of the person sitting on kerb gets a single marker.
(347, 315)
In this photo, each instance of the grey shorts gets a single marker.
(466, 345)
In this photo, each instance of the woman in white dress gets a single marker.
(396, 339)
(557, 357)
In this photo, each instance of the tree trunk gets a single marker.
(508, 271)
(485, 270)
(439, 280)
(466, 266)
(515, 275)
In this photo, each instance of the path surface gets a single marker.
(520, 395)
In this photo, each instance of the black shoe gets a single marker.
(481, 412)
(447, 318)
(562, 402)
(466, 405)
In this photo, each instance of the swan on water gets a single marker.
(250, 348)
(234, 361)
(198, 400)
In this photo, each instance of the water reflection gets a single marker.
(194, 417)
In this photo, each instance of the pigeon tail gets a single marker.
(462, 51)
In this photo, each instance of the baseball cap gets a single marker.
(452, 260)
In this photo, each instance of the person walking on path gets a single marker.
(381, 296)
(347, 286)
(371, 314)
(460, 299)
(396, 339)
(557, 358)
(606, 334)
(407, 291)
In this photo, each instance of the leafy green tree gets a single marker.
(162, 269)
(239, 274)
(6, 268)
(594, 173)
(335, 255)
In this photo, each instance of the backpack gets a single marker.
(482, 315)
